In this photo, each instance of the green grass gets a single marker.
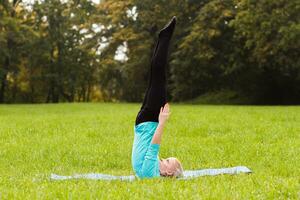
(37, 140)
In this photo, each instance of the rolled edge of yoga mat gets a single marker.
(93, 176)
(188, 174)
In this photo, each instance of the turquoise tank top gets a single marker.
(145, 161)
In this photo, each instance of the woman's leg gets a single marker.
(155, 96)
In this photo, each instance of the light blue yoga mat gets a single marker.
(189, 174)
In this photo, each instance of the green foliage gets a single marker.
(140, 34)
(70, 67)
(268, 33)
(37, 140)
(202, 57)
(242, 46)
(14, 38)
(59, 51)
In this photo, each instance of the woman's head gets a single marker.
(170, 167)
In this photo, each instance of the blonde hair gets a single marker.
(179, 169)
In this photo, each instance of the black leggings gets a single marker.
(155, 96)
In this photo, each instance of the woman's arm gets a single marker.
(163, 117)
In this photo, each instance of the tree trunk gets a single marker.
(72, 97)
(3, 87)
(88, 92)
(48, 95)
(32, 93)
(83, 93)
(14, 88)
(55, 94)
(4, 77)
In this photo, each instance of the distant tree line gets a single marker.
(77, 50)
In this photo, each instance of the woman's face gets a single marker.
(168, 166)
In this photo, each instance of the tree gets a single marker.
(136, 23)
(12, 37)
(203, 55)
(269, 32)
(64, 28)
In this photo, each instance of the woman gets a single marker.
(153, 115)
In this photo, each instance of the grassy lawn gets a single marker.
(37, 140)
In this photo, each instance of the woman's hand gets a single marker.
(162, 118)
(164, 114)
